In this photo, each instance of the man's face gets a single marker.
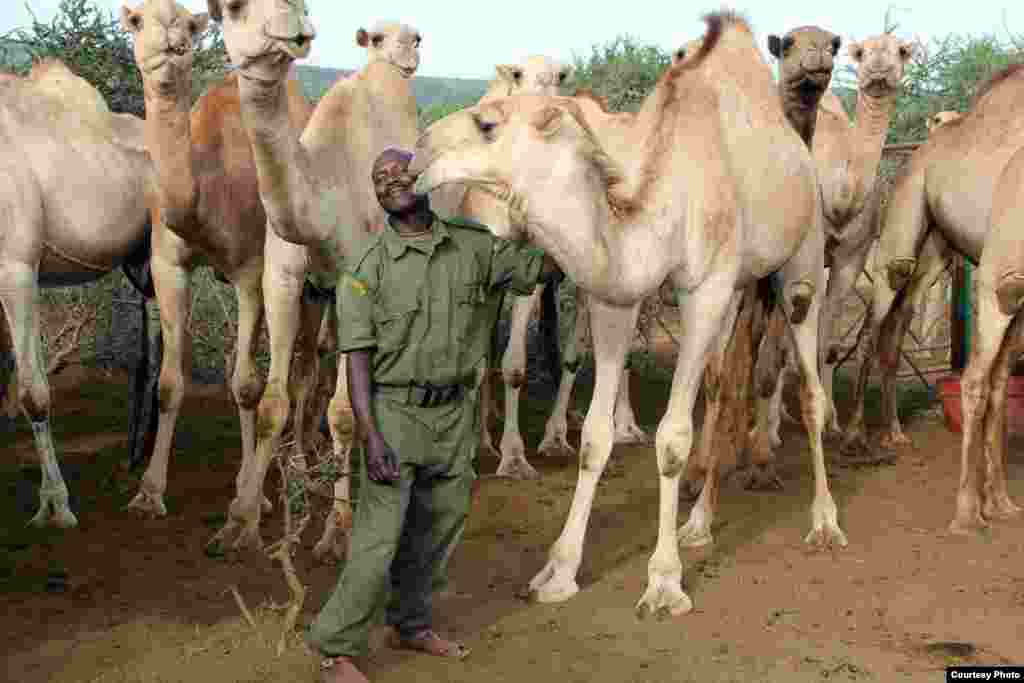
(393, 185)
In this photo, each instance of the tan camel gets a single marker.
(317, 192)
(941, 201)
(998, 342)
(681, 184)
(76, 186)
(847, 158)
(209, 213)
(806, 58)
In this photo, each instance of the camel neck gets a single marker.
(869, 132)
(168, 139)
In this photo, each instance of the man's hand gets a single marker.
(381, 461)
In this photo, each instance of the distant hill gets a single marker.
(428, 90)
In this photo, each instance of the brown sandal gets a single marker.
(428, 641)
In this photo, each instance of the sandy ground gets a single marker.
(126, 599)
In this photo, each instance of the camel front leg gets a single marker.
(283, 277)
(305, 374)
(19, 296)
(513, 366)
(802, 294)
(775, 353)
(171, 282)
(706, 311)
(613, 328)
(333, 545)
(697, 530)
(246, 379)
(556, 431)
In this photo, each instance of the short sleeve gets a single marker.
(355, 297)
(515, 266)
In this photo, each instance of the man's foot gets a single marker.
(340, 670)
(433, 644)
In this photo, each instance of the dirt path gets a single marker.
(123, 599)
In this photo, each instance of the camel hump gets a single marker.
(52, 79)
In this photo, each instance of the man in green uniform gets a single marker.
(416, 308)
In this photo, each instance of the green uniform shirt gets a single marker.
(427, 305)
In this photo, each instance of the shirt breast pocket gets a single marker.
(394, 325)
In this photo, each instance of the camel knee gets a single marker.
(596, 444)
(673, 448)
(272, 413)
(171, 391)
(247, 389)
(801, 293)
(34, 397)
(1010, 293)
(899, 272)
(513, 370)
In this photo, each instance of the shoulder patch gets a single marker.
(355, 284)
(462, 222)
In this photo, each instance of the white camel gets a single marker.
(678, 190)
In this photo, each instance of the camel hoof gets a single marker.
(60, 518)
(1002, 508)
(826, 536)
(631, 434)
(148, 504)
(762, 477)
(694, 536)
(516, 468)
(553, 583)
(663, 598)
(967, 526)
(555, 447)
(892, 440)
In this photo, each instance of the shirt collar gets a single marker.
(397, 245)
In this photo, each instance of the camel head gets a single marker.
(264, 37)
(533, 75)
(517, 148)
(880, 64)
(165, 36)
(941, 118)
(806, 57)
(394, 43)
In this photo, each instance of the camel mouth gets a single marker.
(266, 69)
(407, 71)
(811, 87)
(877, 86)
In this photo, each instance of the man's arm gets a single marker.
(519, 266)
(381, 462)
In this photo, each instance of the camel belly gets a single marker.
(57, 271)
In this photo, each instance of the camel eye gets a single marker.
(680, 54)
(485, 127)
(517, 75)
(561, 77)
(419, 39)
(377, 39)
(136, 22)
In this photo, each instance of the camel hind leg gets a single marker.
(556, 430)
(19, 293)
(513, 462)
(997, 502)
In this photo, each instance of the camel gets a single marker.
(620, 205)
(77, 184)
(941, 202)
(999, 341)
(317, 193)
(847, 158)
(209, 213)
(806, 57)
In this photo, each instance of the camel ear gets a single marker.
(362, 38)
(510, 73)
(774, 46)
(548, 120)
(130, 21)
(907, 50)
(856, 51)
(566, 74)
(213, 7)
(200, 22)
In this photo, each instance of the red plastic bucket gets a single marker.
(949, 393)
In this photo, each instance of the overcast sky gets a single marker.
(468, 38)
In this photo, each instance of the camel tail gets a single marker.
(1010, 293)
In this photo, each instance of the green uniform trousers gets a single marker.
(403, 532)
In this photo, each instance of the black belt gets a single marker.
(424, 395)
